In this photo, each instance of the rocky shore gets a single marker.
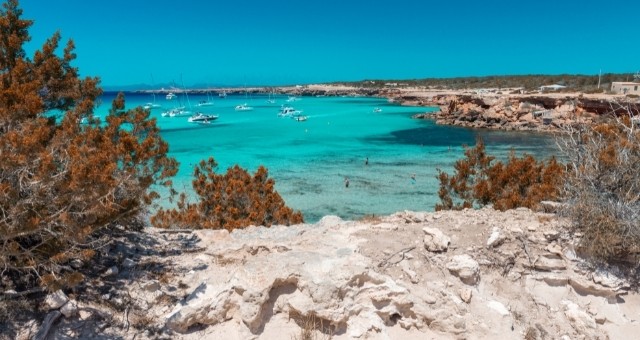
(475, 274)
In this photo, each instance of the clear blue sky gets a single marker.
(290, 42)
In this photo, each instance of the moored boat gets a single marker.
(202, 118)
(243, 107)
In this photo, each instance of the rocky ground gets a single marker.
(476, 274)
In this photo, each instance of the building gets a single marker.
(554, 87)
(624, 87)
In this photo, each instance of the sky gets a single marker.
(258, 42)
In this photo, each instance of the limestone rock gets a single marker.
(111, 271)
(435, 240)
(581, 321)
(465, 268)
(549, 263)
(69, 309)
(55, 300)
(496, 238)
(465, 295)
(498, 307)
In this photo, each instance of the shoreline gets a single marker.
(509, 109)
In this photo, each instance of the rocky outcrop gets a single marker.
(479, 274)
(539, 113)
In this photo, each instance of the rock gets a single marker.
(55, 300)
(498, 307)
(465, 295)
(584, 287)
(580, 320)
(151, 286)
(551, 235)
(495, 239)
(128, 263)
(435, 240)
(549, 263)
(551, 207)
(111, 271)
(69, 309)
(465, 268)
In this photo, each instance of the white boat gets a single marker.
(202, 118)
(243, 107)
(207, 102)
(170, 96)
(292, 99)
(222, 94)
(271, 99)
(299, 118)
(288, 111)
(151, 106)
(377, 109)
(176, 112)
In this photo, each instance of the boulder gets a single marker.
(69, 309)
(496, 238)
(465, 268)
(580, 320)
(434, 240)
(55, 300)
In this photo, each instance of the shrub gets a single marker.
(520, 182)
(61, 181)
(603, 186)
(232, 200)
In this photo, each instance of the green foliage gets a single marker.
(231, 200)
(520, 182)
(62, 181)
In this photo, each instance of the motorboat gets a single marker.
(222, 94)
(243, 107)
(170, 95)
(176, 112)
(202, 118)
(151, 106)
(288, 111)
(377, 109)
(300, 118)
(292, 99)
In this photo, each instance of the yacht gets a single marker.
(170, 95)
(243, 107)
(207, 102)
(293, 99)
(377, 109)
(222, 94)
(202, 118)
(176, 112)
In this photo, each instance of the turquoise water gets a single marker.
(309, 160)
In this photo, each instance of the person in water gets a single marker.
(346, 182)
(366, 161)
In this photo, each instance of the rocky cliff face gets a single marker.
(476, 274)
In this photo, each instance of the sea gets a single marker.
(389, 160)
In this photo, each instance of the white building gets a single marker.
(553, 87)
(625, 87)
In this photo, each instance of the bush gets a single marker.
(603, 187)
(521, 182)
(232, 200)
(61, 180)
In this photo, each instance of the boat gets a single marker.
(176, 112)
(243, 107)
(292, 99)
(288, 111)
(300, 118)
(170, 96)
(207, 102)
(271, 99)
(377, 109)
(222, 94)
(202, 118)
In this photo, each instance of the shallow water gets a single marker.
(310, 160)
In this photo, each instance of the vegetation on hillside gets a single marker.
(231, 200)
(585, 83)
(602, 190)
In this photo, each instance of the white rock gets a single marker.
(111, 271)
(549, 263)
(498, 307)
(55, 300)
(465, 295)
(435, 240)
(580, 320)
(69, 309)
(496, 238)
(464, 267)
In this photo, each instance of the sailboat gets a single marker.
(207, 102)
(154, 105)
(271, 100)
